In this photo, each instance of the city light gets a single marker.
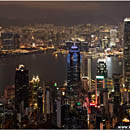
(126, 120)
(64, 75)
(92, 104)
(55, 84)
(99, 77)
(78, 103)
(63, 93)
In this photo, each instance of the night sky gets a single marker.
(63, 13)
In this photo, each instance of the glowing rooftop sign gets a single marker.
(99, 77)
(74, 47)
(127, 19)
(101, 60)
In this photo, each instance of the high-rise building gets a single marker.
(73, 71)
(40, 99)
(113, 37)
(21, 88)
(86, 68)
(101, 90)
(117, 94)
(126, 70)
(34, 85)
(85, 85)
(102, 68)
(104, 36)
(89, 71)
(100, 84)
(2, 115)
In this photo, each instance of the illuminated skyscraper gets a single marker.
(100, 84)
(86, 68)
(89, 71)
(101, 91)
(127, 56)
(102, 68)
(34, 84)
(73, 71)
(21, 88)
(113, 37)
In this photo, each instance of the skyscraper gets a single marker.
(113, 37)
(101, 90)
(102, 68)
(21, 88)
(127, 56)
(86, 67)
(117, 94)
(34, 85)
(73, 71)
(89, 71)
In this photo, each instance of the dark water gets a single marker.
(47, 66)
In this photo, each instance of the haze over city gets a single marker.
(63, 13)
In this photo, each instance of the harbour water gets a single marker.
(47, 66)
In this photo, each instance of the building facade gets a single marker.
(73, 72)
(21, 88)
(126, 70)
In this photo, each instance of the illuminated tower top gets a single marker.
(127, 19)
(74, 48)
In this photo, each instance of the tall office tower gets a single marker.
(101, 91)
(117, 94)
(47, 101)
(59, 112)
(84, 65)
(126, 69)
(104, 36)
(85, 85)
(113, 37)
(100, 84)
(73, 72)
(21, 89)
(10, 40)
(89, 71)
(102, 68)
(34, 85)
(86, 68)
(40, 99)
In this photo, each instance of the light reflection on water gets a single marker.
(47, 66)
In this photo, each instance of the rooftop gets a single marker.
(127, 19)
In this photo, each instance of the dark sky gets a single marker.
(63, 13)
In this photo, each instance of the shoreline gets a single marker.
(20, 53)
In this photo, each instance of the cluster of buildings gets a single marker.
(39, 35)
(82, 102)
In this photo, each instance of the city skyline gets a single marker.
(63, 13)
(74, 76)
